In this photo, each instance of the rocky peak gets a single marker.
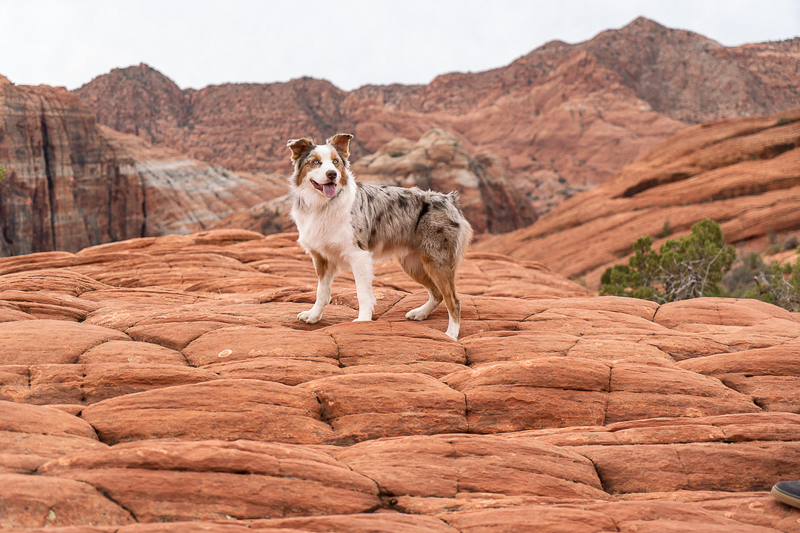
(563, 118)
(153, 102)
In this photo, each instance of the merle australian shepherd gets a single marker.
(345, 224)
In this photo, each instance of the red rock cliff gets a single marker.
(71, 183)
(66, 187)
(563, 118)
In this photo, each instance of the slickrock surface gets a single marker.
(743, 173)
(165, 385)
(563, 118)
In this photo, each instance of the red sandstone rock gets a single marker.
(368, 406)
(392, 343)
(532, 518)
(222, 409)
(66, 187)
(770, 375)
(570, 366)
(211, 480)
(35, 501)
(740, 172)
(639, 391)
(246, 342)
(562, 118)
(87, 384)
(360, 523)
(71, 184)
(446, 465)
(748, 466)
(131, 352)
(51, 341)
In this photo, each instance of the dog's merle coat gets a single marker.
(344, 224)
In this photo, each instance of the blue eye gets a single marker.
(335, 161)
(316, 162)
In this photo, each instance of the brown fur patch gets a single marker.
(306, 167)
(320, 264)
(341, 141)
(340, 166)
(300, 148)
(443, 276)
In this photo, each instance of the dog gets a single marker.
(343, 223)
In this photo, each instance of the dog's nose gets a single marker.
(331, 175)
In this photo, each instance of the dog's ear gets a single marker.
(300, 148)
(341, 141)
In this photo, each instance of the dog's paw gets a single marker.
(417, 314)
(363, 319)
(309, 317)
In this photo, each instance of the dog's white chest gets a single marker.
(328, 232)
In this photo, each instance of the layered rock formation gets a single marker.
(562, 119)
(164, 384)
(183, 195)
(440, 162)
(66, 187)
(743, 173)
(71, 184)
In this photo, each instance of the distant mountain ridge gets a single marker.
(562, 118)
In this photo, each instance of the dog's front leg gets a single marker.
(361, 265)
(326, 272)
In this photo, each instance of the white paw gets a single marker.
(420, 313)
(309, 317)
(363, 319)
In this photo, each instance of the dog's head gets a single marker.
(324, 166)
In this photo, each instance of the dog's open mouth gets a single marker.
(328, 189)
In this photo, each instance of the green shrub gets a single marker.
(686, 267)
(778, 284)
(741, 280)
(666, 229)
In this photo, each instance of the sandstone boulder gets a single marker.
(445, 465)
(367, 406)
(36, 501)
(221, 409)
(214, 480)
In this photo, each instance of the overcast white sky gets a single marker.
(351, 43)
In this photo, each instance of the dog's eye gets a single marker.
(316, 162)
(335, 161)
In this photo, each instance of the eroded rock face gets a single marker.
(66, 188)
(440, 162)
(562, 118)
(741, 173)
(164, 384)
(71, 184)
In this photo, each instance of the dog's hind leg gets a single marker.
(412, 265)
(361, 265)
(444, 276)
(326, 272)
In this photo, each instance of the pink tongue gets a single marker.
(329, 189)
